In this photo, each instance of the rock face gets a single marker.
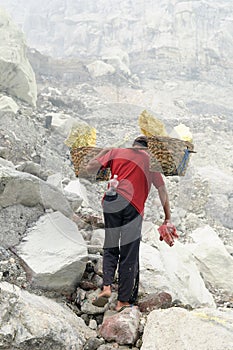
(179, 329)
(191, 34)
(33, 322)
(16, 75)
(55, 252)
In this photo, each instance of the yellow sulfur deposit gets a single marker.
(150, 125)
(183, 132)
(81, 135)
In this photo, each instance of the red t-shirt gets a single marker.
(132, 167)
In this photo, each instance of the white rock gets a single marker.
(93, 324)
(29, 190)
(77, 188)
(55, 180)
(99, 68)
(171, 269)
(179, 329)
(213, 259)
(62, 123)
(74, 200)
(7, 104)
(55, 251)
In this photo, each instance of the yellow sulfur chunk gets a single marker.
(183, 132)
(150, 125)
(81, 135)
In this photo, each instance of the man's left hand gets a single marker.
(168, 233)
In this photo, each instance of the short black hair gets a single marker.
(141, 140)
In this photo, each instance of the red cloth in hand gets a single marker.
(168, 233)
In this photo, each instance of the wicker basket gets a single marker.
(80, 158)
(168, 155)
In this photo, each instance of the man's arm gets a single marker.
(163, 196)
(94, 165)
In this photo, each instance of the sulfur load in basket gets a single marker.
(168, 155)
(80, 156)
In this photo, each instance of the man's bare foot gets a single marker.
(106, 292)
(122, 304)
(102, 299)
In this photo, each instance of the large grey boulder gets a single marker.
(23, 198)
(55, 252)
(214, 261)
(22, 188)
(171, 269)
(179, 329)
(16, 74)
(34, 322)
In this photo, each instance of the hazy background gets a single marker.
(180, 49)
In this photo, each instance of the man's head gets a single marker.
(140, 141)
